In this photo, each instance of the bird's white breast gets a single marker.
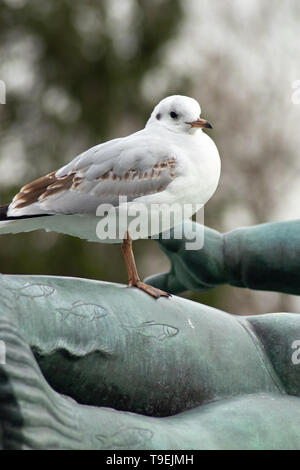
(197, 176)
(197, 171)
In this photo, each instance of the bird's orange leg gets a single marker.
(133, 277)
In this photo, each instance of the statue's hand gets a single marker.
(192, 269)
(264, 257)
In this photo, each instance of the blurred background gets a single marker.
(79, 73)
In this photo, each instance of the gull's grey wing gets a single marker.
(133, 166)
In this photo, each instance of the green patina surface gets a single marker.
(81, 354)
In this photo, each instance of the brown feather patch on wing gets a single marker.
(48, 185)
(41, 188)
(132, 174)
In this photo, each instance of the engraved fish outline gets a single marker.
(125, 437)
(98, 311)
(36, 290)
(152, 330)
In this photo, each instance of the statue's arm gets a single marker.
(203, 374)
(265, 257)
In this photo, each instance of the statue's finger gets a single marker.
(167, 282)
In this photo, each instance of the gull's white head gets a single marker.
(178, 113)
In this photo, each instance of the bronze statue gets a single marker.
(81, 354)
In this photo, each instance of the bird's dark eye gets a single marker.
(158, 116)
(173, 115)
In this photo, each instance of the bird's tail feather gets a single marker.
(17, 224)
(4, 210)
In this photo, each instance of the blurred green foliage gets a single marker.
(85, 62)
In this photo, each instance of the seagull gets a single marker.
(170, 161)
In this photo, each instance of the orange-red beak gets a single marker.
(200, 123)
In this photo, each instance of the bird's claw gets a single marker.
(153, 291)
